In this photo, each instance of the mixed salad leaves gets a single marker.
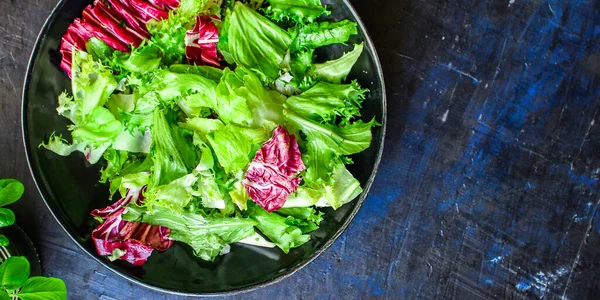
(214, 120)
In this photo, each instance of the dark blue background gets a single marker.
(488, 186)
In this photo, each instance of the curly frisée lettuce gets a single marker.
(300, 11)
(213, 125)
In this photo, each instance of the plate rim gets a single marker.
(236, 291)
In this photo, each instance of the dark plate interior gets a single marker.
(70, 188)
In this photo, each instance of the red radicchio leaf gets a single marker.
(271, 176)
(201, 42)
(136, 239)
(113, 25)
(123, 12)
(147, 12)
(168, 4)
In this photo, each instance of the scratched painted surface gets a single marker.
(489, 183)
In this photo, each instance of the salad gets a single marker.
(215, 123)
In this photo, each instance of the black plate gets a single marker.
(21, 245)
(70, 188)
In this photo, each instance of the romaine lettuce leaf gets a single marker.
(208, 235)
(251, 40)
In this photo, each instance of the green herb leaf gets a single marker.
(14, 271)
(7, 217)
(11, 190)
(4, 296)
(43, 288)
(4, 240)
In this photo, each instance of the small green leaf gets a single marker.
(7, 217)
(43, 288)
(11, 190)
(4, 296)
(3, 241)
(14, 271)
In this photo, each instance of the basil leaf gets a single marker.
(4, 296)
(11, 190)
(7, 217)
(43, 288)
(3, 241)
(14, 271)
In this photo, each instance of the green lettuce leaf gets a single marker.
(202, 126)
(315, 35)
(168, 164)
(300, 11)
(305, 218)
(343, 140)
(235, 146)
(209, 72)
(326, 102)
(144, 59)
(251, 40)
(275, 227)
(175, 195)
(247, 102)
(98, 49)
(208, 235)
(170, 86)
(92, 83)
(94, 127)
(140, 118)
(340, 188)
(98, 128)
(208, 187)
(168, 35)
(133, 141)
(308, 38)
(335, 71)
(115, 160)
